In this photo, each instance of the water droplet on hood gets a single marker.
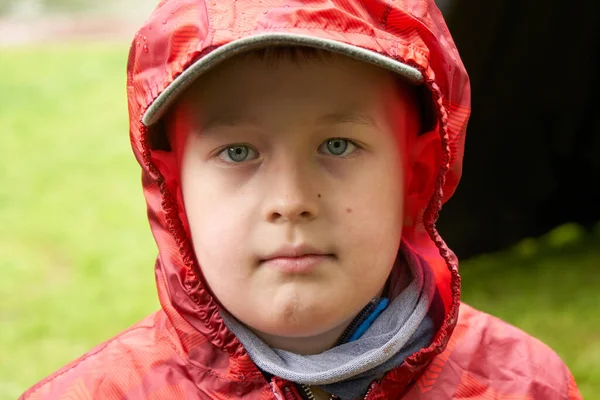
(266, 11)
(145, 48)
(145, 38)
(164, 21)
(286, 6)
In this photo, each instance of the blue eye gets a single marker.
(237, 153)
(337, 147)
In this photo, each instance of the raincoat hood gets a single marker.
(180, 32)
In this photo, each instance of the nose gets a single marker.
(290, 195)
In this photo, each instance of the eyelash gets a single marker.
(224, 149)
(231, 146)
(348, 144)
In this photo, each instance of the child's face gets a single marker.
(284, 157)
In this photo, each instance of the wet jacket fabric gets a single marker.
(184, 350)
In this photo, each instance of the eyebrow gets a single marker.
(233, 119)
(348, 117)
(228, 119)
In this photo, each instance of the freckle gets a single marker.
(319, 195)
(348, 210)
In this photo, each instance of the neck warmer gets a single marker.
(347, 370)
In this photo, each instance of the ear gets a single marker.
(423, 163)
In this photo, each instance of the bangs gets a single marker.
(294, 54)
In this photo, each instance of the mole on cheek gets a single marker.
(319, 195)
(348, 210)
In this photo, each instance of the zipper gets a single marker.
(359, 319)
(309, 394)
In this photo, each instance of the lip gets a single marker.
(300, 259)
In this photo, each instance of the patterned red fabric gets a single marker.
(184, 350)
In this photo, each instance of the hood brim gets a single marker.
(258, 41)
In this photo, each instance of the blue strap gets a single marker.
(383, 303)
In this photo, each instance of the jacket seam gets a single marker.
(208, 371)
(186, 360)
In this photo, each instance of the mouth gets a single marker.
(301, 259)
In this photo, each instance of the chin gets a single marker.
(286, 337)
(307, 330)
(295, 322)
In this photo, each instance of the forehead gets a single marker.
(254, 86)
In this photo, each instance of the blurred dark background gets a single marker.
(532, 158)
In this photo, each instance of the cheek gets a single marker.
(374, 198)
(218, 225)
(370, 219)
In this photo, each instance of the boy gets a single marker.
(295, 156)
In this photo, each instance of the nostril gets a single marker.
(305, 214)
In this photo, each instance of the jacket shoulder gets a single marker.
(487, 358)
(109, 369)
(505, 360)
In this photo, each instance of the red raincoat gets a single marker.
(184, 350)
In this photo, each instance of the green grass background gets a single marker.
(76, 253)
